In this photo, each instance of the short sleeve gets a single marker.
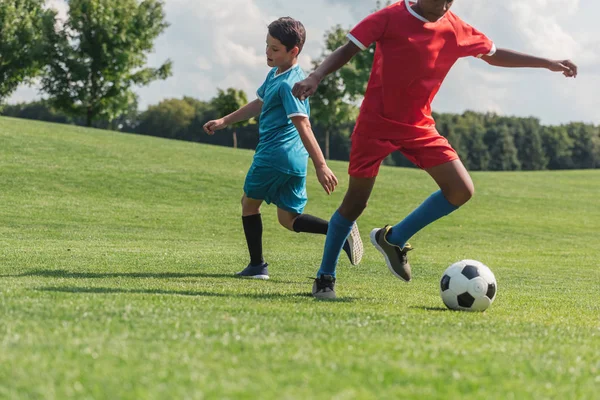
(472, 43)
(293, 106)
(370, 29)
(260, 93)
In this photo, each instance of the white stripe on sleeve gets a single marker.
(356, 42)
(491, 53)
(297, 115)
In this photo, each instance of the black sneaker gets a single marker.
(353, 246)
(324, 287)
(395, 257)
(255, 271)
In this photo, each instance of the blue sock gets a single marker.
(338, 231)
(435, 207)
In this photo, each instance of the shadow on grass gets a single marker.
(438, 309)
(104, 290)
(61, 273)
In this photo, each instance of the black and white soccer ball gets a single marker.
(468, 285)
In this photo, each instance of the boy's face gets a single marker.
(277, 54)
(434, 9)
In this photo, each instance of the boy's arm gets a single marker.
(332, 63)
(250, 110)
(325, 176)
(512, 59)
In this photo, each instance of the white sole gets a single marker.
(356, 246)
(261, 277)
(387, 260)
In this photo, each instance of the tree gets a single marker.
(586, 145)
(529, 144)
(329, 110)
(229, 101)
(99, 55)
(558, 147)
(22, 27)
(354, 75)
(167, 118)
(479, 156)
(333, 104)
(503, 153)
(36, 110)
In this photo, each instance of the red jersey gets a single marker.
(412, 58)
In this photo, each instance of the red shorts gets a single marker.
(425, 151)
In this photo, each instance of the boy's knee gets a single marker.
(458, 197)
(248, 208)
(352, 209)
(286, 219)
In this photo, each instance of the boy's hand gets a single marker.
(215, 125)
(327, 179)
(305, 88)
(565, 66)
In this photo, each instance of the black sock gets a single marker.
(253, 229)
(310, 224)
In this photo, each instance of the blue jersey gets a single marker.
(279, 143)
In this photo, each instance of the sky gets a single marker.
(220, 44)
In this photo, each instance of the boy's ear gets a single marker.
(295, 51)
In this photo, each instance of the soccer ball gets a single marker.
(468, 285)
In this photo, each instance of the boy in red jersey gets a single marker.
(418, 41)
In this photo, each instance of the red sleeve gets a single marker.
(370, 29)
(471, 42)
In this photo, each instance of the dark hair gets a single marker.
(289, 32)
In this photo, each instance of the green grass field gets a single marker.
(116, 261)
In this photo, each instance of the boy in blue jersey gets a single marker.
(278, 172)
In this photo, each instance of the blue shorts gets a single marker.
(287, 192)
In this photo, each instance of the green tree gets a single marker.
(37, 110)
(328, 108)
(586, 145)
(333, 105)
(99, 55)
(528, 142)
(22, 40)
(503, 153)
(354, 75)
(167, 119)
(228, 101)
(479, 155)
(558, 147)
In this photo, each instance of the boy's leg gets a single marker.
(456, 189)
(291, 199)
(307, 223)
(340, 225)
(253, 230)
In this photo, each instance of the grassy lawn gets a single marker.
(116, 261)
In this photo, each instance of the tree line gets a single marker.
(89, 65)
(484, 141)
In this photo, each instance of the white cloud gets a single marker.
(60, 6)
(203, 64)
(220, 44)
